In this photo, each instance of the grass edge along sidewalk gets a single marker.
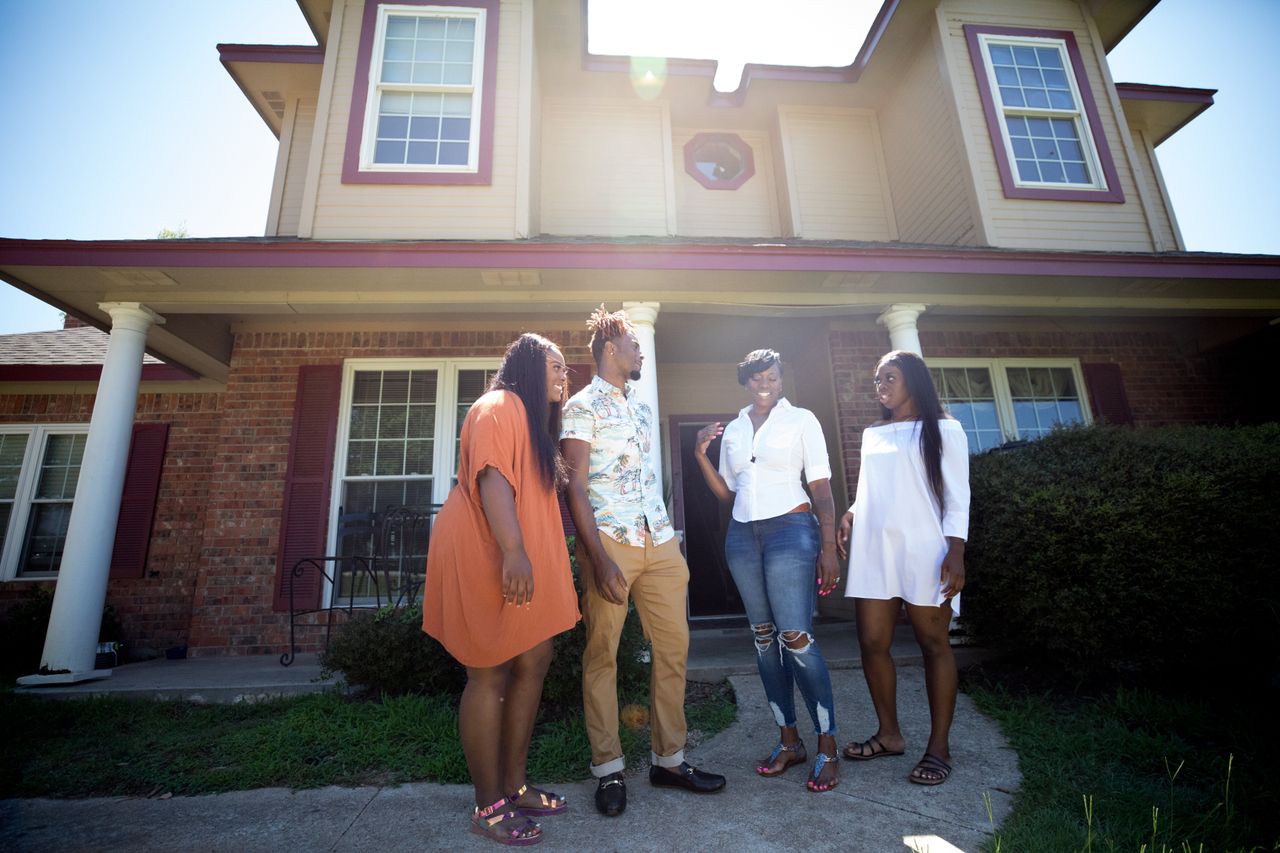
(1132, 769)
(142, 747)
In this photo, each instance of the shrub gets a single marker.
(1110, 551)
(387, 652)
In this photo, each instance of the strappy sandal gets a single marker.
(930, 764)
(870, 748)
(548, 803)
(797, 756)
(505, 825)
(820, 762)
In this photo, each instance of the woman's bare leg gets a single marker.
(932, 626)
(876, 621)
(524, 693)
(480, 726)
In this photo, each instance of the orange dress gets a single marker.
(462, 604)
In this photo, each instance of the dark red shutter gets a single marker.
(1106, 393)
(579, 377)
(138, 501)
(305, 513)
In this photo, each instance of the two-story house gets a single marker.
(974, 186)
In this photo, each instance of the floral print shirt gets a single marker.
(621, 484)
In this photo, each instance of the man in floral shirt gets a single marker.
(625, 546)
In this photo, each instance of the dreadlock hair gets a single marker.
(606, 327)
(925, 396)
(758, 361)
(524, 373)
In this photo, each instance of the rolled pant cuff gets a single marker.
(673, 760)
(616, 766)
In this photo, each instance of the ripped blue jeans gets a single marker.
(774, 564)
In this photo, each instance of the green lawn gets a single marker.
(1136, 770)
(137, 747)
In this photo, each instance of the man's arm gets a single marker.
(608, 577)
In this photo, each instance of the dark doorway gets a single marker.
(704, 521)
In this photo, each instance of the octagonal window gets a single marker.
(719, 161)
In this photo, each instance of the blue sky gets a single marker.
(118, 119)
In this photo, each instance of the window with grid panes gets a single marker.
(425, 89)
(1045, 129)
(39, 471)
(392, 457)
(1005, 400)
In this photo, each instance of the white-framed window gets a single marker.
(1044, 126)
(399, 430)
(39, 470)
(999, 400)
(426, 86)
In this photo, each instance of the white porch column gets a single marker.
(643, 316)
(900, 320)
(72, 640)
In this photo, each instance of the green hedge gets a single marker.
(386, 652)
(1109, 551)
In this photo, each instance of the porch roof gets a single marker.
(203, 286)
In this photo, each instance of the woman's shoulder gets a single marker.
(949, 421)
(499, 402)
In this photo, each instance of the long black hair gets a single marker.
(928, 406)
(524, 373)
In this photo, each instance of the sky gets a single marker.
(118, 121)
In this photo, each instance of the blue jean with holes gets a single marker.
(774, 563)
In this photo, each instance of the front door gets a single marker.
(704, 519)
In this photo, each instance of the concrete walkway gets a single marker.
(874, 809)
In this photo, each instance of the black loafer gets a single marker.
(611, 795)
(686, 776)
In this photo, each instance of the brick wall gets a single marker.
(154, 610)
(232, 611)
(1165, 383)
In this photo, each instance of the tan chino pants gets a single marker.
(657, 582)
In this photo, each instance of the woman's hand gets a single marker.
(517, 577)
(708, 434)
(842, 535)
(952, 572)
(828, 570)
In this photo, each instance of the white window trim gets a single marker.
(444, 465)
(24, 494)
(1078, 115)
(373, 98)
(996, 368)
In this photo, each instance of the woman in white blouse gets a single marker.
(904, 537)
(779, 554)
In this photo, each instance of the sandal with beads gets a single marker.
(797, 756)
(500, 822)
(547, 802)
(815, 784)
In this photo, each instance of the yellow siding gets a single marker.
(1162, 224)
(833, 160)
(1033, 223)
(295, 174)
(749, 211)
(702, 388)
(604, 169)
(924, 156)
(420, 211)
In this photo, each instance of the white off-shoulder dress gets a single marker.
(899, 531)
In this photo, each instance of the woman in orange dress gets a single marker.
(499, 586)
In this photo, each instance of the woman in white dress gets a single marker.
(904, 537)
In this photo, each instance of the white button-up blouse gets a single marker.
(763, 469)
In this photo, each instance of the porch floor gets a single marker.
(714, 653)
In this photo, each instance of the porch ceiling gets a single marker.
(202, 287)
